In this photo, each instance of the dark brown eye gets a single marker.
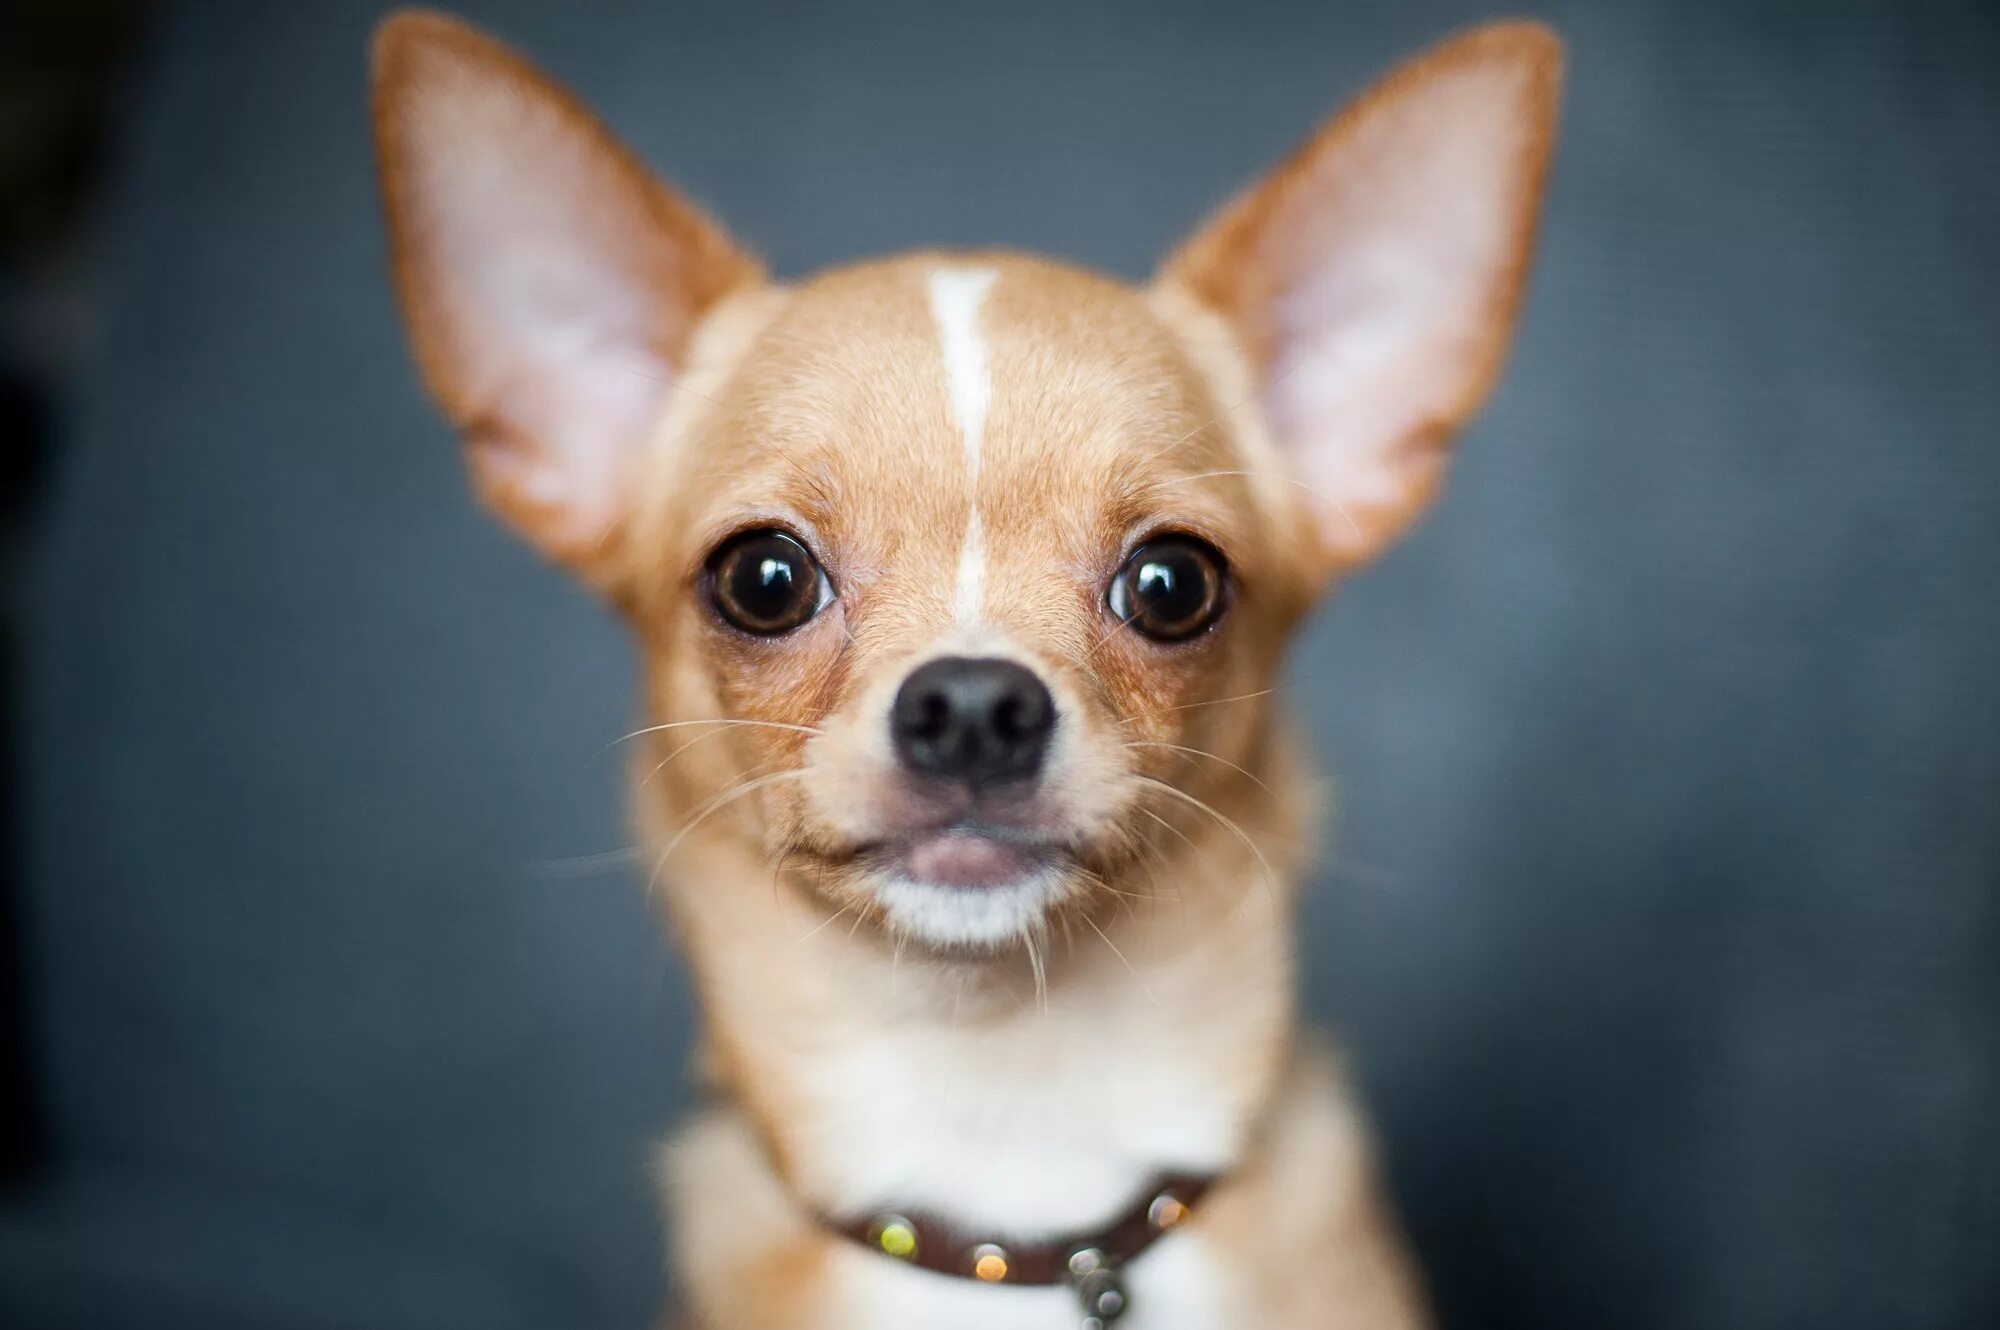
(767, 583)
(1170, 589)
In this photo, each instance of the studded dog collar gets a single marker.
(1091, 1263)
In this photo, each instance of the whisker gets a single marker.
(1122, 623)
(583, 865)
(713, 806)
(778, 868)
(1279, 476)
(711, 720)
(1171, 827)
(1202, 752)
(1143, 987)
(1180, 893)
(1146, 846)
(817, 928)
(669, 759)
(1229, 823)
(1211, 702)
(1031, 938)
(1104, 883)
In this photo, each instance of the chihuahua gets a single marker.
(959, 582)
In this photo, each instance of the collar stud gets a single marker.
(1102, 1294)
(1084, 1260)
(989, 1262)
(893, 1235)
(1167, 1211)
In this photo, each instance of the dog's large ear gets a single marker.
(1373, 277)
(549, 283)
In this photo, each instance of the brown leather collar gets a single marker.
(1087, 1261)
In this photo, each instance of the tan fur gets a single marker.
(1146, 1020)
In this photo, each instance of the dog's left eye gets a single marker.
(1170, 589)
(766, 582)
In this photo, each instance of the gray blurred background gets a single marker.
(1661, 917)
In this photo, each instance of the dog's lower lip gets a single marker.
(968, 859)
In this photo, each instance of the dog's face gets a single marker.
(959, 578)
(975, 532)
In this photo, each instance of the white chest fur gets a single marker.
(1035, 1124)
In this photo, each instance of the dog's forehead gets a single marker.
(901, 401)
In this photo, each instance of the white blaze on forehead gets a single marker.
(971, 590)
(956, 295)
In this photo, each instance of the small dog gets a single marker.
(960, 581)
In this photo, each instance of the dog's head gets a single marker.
(959, 577)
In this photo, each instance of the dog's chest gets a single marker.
(1023, 1127)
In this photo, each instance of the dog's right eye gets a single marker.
(1170, 589)
(766, 582)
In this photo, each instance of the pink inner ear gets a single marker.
(546, 277)
(570, 442)
(1400, 247)
(1380, 269)
(544, 283)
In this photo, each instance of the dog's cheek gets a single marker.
(703, 682)
(835, 805)
(1155, 690)
(790, 680)
(849, 787)
(681, 759)
(1103, 791)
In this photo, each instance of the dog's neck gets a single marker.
(968, 1087)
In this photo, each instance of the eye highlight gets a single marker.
(766, 583)
(1169, 589)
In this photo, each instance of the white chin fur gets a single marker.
(944, 916)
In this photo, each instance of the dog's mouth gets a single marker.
(968, 886)
(964, 884)
(965, 856)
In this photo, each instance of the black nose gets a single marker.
(979, 721)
